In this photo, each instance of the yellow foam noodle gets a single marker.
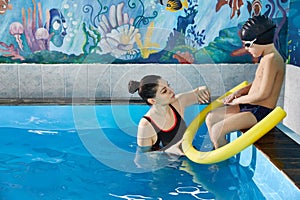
(234, 147)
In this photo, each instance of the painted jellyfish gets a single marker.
(16, 29)
(42, 37)
(31, 24)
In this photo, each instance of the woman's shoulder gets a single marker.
(178, 107)
(145, 129)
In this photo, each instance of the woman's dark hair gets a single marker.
(260, 28)
(146, 88)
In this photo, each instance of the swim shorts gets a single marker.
(258, 111)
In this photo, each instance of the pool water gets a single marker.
(88, 152)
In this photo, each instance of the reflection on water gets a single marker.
(194, 191)
(57, 166)
(131, 197)
(225, 180)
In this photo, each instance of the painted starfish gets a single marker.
(148, 47)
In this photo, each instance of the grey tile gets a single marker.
(249, 72)
(292, 120)
(9, 81)
(76, 81)
(210, 75)
(166, 71)
(53, 81)
(98, 80)
(30, 77)
(232, 75)
(291, 98)
(188, 78)
(292, 80)
(120, 75)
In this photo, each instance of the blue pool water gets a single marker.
(88, 152)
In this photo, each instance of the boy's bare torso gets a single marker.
(270, 73)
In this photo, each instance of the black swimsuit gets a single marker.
(168, 137)
(258, 111)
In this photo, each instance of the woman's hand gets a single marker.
(203, 94)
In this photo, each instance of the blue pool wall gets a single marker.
(49, 82)
(63, 117)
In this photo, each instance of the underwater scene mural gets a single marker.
(137, 31)
(294, 33)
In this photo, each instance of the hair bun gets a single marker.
(133, 86)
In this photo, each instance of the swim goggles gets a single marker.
(249, 44)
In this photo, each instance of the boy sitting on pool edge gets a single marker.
(247, 106)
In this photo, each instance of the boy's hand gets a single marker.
(230, 99)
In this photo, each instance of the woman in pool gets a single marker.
(163, 126)
(252, 103)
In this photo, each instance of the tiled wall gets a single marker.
(96, 81)
(291, 98)
(106, 81)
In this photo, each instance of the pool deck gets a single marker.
(283, 152)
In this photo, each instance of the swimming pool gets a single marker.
(88, 152)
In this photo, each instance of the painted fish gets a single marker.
(57, 27)
(4, 5)
(256, 7)
(174, 5)
(235, 6)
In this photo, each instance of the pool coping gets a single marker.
(283, 151)
(75, 100)
(293, 135)
(70, 101)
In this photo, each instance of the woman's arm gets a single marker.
(199, 95)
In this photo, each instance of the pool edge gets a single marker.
(293, 135)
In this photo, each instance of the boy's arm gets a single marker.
(264, 90)
(237, 94)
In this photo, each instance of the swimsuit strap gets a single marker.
(155, 146)
(173, 134)
(157, 129)
(177, 115)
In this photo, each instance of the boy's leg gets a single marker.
(220, 114)
(238, 121)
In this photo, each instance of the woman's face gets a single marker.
(164, 94)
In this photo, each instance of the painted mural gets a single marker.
(294, 33)
(136, 31)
